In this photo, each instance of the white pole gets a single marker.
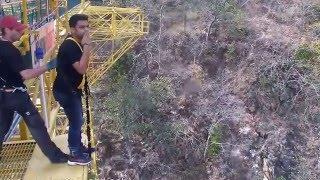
(43, 100)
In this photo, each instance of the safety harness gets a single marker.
(4, 86)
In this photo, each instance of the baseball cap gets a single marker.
(11, 22)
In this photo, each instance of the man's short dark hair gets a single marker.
(77, 17)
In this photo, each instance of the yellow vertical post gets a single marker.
(113, 23)
(38, 2)
(66, 17)
(49, 82)
(113, 31)
(52, 5)
(24, 7)
(24, 12)
(141, 22)
(57, 24)
(82, 3)
(26, 47)
(23, 131)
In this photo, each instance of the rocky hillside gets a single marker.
(219, 89)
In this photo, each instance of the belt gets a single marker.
(7, 90)
(12, 90)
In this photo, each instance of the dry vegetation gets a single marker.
(219, 89)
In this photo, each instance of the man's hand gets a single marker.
(82, 65)
(86, 40)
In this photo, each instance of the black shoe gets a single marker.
(87, 150)
(63, 158)
(82, 159)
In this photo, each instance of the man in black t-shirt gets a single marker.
(73, 61)
(13, 93)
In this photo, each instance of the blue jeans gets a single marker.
(72, 105)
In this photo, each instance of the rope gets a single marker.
(87, 95)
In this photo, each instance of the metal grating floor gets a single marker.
(14, 159)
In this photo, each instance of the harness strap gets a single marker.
(81, 85)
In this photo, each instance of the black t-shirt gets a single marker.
(11, 64)
(68, 79)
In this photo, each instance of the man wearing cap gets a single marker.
(13, 93)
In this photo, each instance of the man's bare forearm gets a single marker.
(32, 73)
(83, 64)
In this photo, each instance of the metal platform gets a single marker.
(40, 168)
(25, 161)
(15, 158)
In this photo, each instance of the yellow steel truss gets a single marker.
(114, 31)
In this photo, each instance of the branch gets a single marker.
(210, 27)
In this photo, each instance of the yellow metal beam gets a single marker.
(25, 43)
(25, 21)
(96, 74)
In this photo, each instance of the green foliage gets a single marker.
(121, 67)
(229, 19)
(128, 106)
(281, 178)
(276, 88)
(305, 53)
(236, 32)
(231, 52)
(308, 58)
(161, 91)
(92, 176)
(315, 118)
(214, 141)
(133, 109)
(284, 89)
(228, 11)
(122, 105)
(126, 1)
(313, 14)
